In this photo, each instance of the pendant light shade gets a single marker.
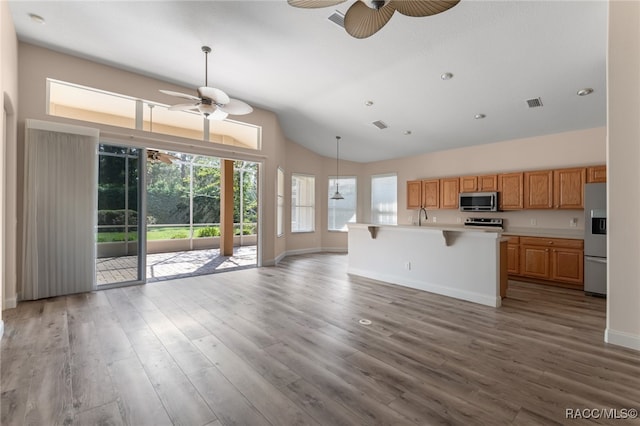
(337, 195)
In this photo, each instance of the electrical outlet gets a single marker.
(407, 266)
(410, 219)
(534, 222)
(573, 222)
(459, 220)
(434, 219)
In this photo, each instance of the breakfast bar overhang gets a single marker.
(454, 261)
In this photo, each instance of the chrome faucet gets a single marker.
(422, 209)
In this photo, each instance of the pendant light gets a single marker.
(337, 195)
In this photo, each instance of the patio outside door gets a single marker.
(121, 232)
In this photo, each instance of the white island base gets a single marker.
(453, 261)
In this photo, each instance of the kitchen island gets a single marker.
(462, 262)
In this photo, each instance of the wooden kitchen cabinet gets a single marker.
(510, 186)
(488, 183)
(596, 174)
(484, 183)
(414, 194)
(538, 189)
(568, 188)
(449, 191)
(431, 194)
(423, 193)
(567, 265)
(513, 256)
(556, 260)
(469, 184)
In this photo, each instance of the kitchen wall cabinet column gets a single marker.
(414, 194)
(568, 188)
(431, 194)
(449, 190)
(510, 186)
(596, 174)
(538, 189)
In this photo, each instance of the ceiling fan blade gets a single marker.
(183, 107)
(216, 95)
(361, 21)
(314, 4)
(164, 158)
(218, 114)
(236, 107)
(423, 7)
(180, 95)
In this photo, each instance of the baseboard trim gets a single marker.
(284, 254)
(621, 338)
(10, 303)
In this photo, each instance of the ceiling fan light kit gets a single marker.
(212, 103)
(366, 17)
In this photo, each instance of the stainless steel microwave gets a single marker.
(478, 202)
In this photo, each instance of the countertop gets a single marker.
(577, 234)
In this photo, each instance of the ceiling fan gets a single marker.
(211, 102)
(365, 17)
(160, 157)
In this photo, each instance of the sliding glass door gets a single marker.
(121, 231)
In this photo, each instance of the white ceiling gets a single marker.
(317, 78)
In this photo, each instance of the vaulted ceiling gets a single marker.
(319, 80)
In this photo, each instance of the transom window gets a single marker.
(98, 106)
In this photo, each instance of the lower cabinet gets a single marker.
(553, 260)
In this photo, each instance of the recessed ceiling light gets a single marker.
(446, 76)
(368, 103)
(585, 91)
(407, 132)
(36, 18)
(479, 116)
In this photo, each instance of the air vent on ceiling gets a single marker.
(337, 18)
(534, 103)
(380, 124)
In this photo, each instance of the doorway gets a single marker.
(120, 236)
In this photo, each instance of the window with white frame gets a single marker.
(343, 211)
(280, 203)
(384, 199)
(302, 203)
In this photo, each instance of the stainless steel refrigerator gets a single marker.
(595, 239)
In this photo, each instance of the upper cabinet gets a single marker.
(414, 194)
(488, 183)
(422, 193)
(538, 189)
(479, 183)
(510, 186)
(468, 183)
(568, 188)
(596, 174)
(431, 193)
(449, 190)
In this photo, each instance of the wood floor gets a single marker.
(283, 346)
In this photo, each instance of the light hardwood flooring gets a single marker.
(283, 346)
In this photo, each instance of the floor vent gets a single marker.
(380, 124)
(534, 103)
(337, 18)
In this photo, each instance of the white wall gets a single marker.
(623, 188)
(8, 163)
